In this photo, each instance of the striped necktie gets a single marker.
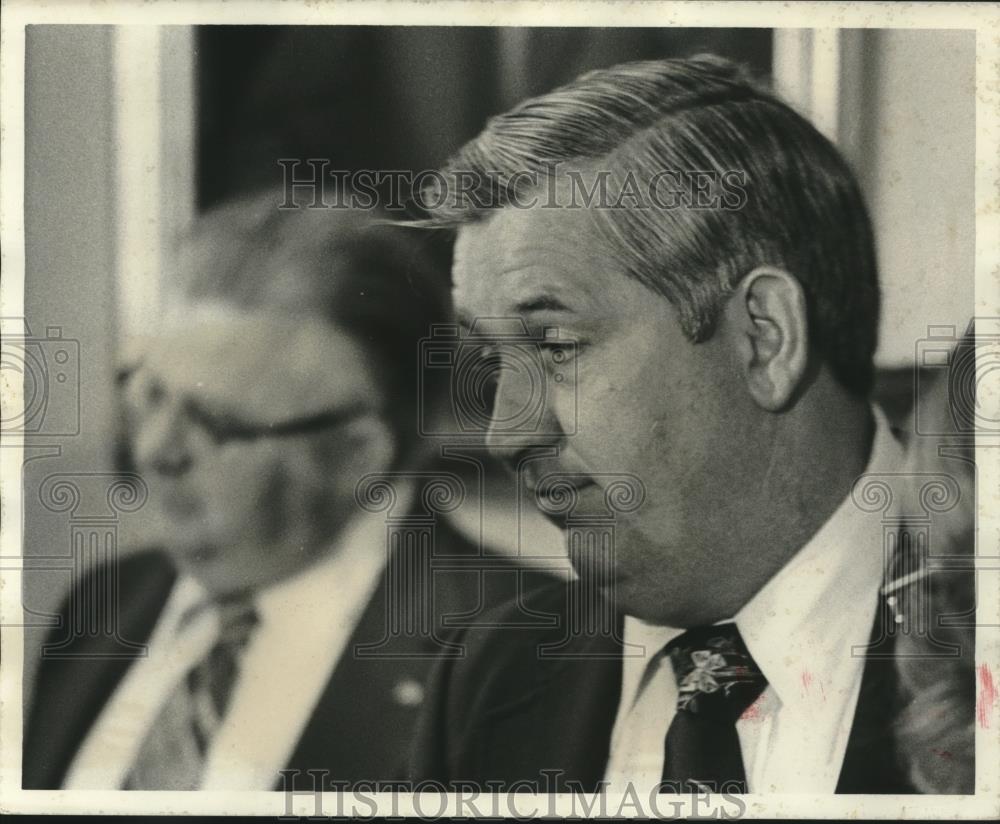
(173, 754)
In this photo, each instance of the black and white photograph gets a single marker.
(557, 409)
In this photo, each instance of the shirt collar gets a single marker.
(339, 582)
(800, 626)
(348, 569)
(643, 644)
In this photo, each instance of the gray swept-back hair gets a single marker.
(351, 268)
(802, 211)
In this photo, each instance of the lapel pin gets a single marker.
(408, 693)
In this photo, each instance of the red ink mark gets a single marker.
(987, 697)
(752, 713)
(941, 753)
(807, 683)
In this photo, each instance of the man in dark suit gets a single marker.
(287, 620)
(697, 262)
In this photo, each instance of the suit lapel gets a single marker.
(365, 710)
(871, 763)
(361, 727)
(71, 690)
(562, 724)
(564, 715)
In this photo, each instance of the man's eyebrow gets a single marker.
(232, 425)
(542, 303)
(539, 303)
(126, 371)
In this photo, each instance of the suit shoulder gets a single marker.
(146, 563)
(131, 572)
(127, 593)
(468, 578)
(505, 640)
(543, 597)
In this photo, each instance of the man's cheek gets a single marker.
(594, 397)
(264, 502)
(564, 408)
(612, 435)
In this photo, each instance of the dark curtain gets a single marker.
(387, 97)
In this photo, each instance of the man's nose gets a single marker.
(161, 445)
(522, 415)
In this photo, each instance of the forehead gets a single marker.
(257, 362)
(552, 268)
(518, 249)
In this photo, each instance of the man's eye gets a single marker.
(221, 428)
(479, 359)
(154, 393)
(218, 432)
(486, 352)
(140, 393)
(557, 353)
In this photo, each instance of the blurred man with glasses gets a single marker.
(285, 374)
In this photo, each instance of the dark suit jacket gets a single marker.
(361, 728)
(511, 713)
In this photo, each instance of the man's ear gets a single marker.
(767, 318)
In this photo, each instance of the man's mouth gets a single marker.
(179, 504)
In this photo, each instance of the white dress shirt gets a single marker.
(800, 629)
(305, 623)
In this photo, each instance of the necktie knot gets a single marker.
(237, 620)
(716, 675)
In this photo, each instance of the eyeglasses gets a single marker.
(226, 427)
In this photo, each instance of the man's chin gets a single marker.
(596, 568)
(207, 564)
(204, 562)
(625, 594)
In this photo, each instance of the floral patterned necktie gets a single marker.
(717, 681)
